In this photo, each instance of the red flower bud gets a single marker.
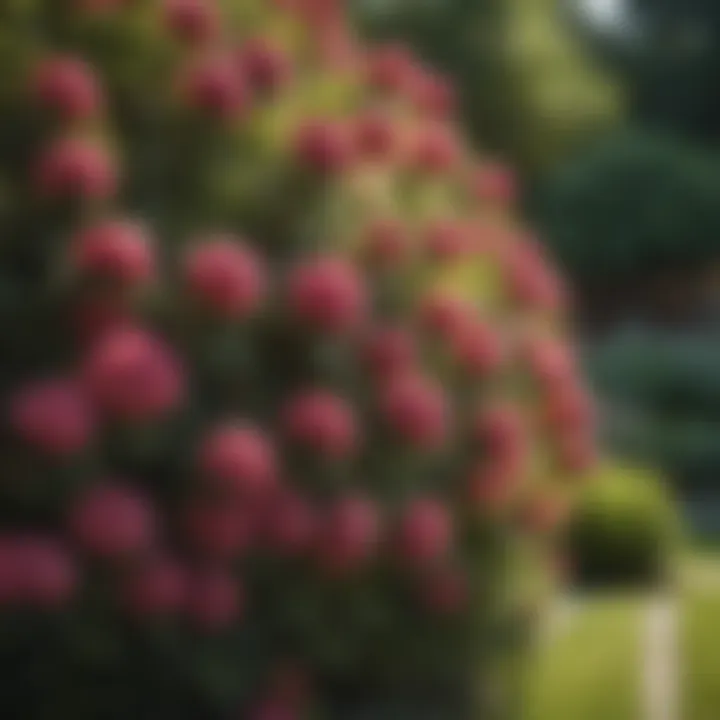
(132, 375)
(327, 294)
(76, 169)
(375, 136)
(434, 96)
(425, 533)
(478, 349)
(217, 89)
(499, 428)
(323, 147)
(445, 316)
(349, 535)
(240, 458)
(321, 422)
(38, 571)
(118, 251)
(226, 277)
(67, 87)
(416, 410)
(267, 67)
(192, 21)
(112, 520)
(448, 241)
(391, 69)
(52, 416)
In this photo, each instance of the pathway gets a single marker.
(660, 677)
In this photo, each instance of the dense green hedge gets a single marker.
(661, 394)
(633, 204)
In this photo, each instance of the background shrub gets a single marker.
(624, 529)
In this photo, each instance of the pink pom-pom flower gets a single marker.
(132, 375)
(425, 532)
(499, 428)
(445, 316)
(433, 95)
(349, 535)
(416, 410)
(266, 66)
(36, 571)
(119, 251)
(551, 361)
(75, 168)
(216, 88)
(448, 241)
(226, 277)
(478, 349)
(323, 147)
(239, 458)
(112, 520)
(192, 21)
(375, 136)
(67, 87)
(327, 294)
(53, 416)
(391, 69)
(321, 422)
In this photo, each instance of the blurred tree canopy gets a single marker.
(637, 212)
(667, 53)
(525, 85)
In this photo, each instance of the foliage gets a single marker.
(661, 399)
(526, 88)
(633, 205)
(282, 380)
(667, 55)
(623, 530)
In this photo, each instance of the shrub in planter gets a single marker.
(281, 382)
(623, 530)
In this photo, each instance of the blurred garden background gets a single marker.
(609, 110)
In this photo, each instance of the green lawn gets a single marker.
(700, 648)
(590, 671)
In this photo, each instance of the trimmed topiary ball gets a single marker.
(624, 531)
(282, 379)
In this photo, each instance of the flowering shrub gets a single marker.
(281, 377)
